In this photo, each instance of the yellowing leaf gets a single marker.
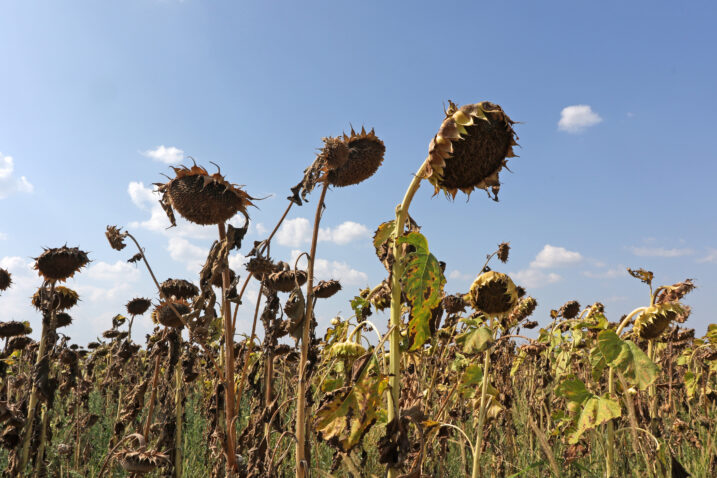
(423, 283)
(595, 412)
(627, 357)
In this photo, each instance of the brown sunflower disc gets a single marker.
(138, 306)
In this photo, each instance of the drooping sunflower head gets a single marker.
(116, 237)
(14, 328)
(285, 281)
(141, 461)
(326, 288)
(164, 313)
(63, 319)
(493, 293)
(202, 198)
(470, 149)
(655, 320)
(65, 298)
(60, 263)
(5, 279)
(365, 155)
(138, 306)
(179, 289)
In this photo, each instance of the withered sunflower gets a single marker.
(326, 288)
(164, 314)
(141, 461)
(115, 237)
(655, 320)
(202, 198)
(470, 149)
(179, 289)
(493, 293)
(366, 152)
(60, 263)
(65, 298)
(5, 279)
(334, 154)
(138, 306)
(261, 266)
(63, 319)
(14, 328)
(285, 281)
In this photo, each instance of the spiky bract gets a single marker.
(115, 237)
(179, 289)
(653, 322)
(470, 149)
(203, 198)
(65, 298)
(365, 156)
(138, 306)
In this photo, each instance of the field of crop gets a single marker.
(469, 384)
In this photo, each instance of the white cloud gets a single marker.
(294, 232)
(710, 257)
(325, 270)
(577, 118)
(551, 256)
(8, 183)
(534, 278)
(120, 271)
(458, 275)
(344, 233)
(236, 262)
(3, 236)
(167, 155)
(613, 273)
(189, 254)
(261, 229)
(660, 252)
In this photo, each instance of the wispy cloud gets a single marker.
(296, 232)
(343, 272)
(710, 257)
(9, 184)
(612, 273)
(165, 154)
(660, 251)
(577, 118)
(535, 278)
(458, 275)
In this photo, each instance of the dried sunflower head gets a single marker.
(347, 350)
(493, 293)
(326, 288)
(217, 280)
(365, 155)
(164, 314)
(65, 298)
(570, 309)
(653, 322)
(524, 309)
(179, 289)
(62, 319)
(14, 328)
(470, 149)
(60, 263)
(202, 198)
(141, 461)
(285, 281)
(5, 279)
(453, 304)
(138, 306)
(334, 154)
(115, 237)
(260, 266)
(503, 251)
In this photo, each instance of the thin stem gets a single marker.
(249, 347)
(301, 425)
(152, 398)
(481, 416)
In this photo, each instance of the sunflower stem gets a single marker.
(302, 463)
(394, 376)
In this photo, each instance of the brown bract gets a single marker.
(141, 461)
(470, 149)
(365, 156)
(60, 263)
(260, 266)
(655, 320)
(165, 315)
(138, 306)
(202, 198)
(179, 289)
(65, 298)
(5, 279)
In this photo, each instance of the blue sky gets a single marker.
(616, 102)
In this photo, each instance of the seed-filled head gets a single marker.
(365, 156)
(60, 263)
(260, 266)
(470, 149)
(653, 322)
(14, 328)
(165, 315)
(138, 306)
(5, 279)
(179, 289)
(493, 293)
(570, 309)
(326, 288)
(63, 319)
(203, 198)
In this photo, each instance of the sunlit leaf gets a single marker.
(574, 390)
(475, 340)
(423, 283)
(627, 357)
(595, 412)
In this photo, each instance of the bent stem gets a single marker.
(301, 425)
(394, 376)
